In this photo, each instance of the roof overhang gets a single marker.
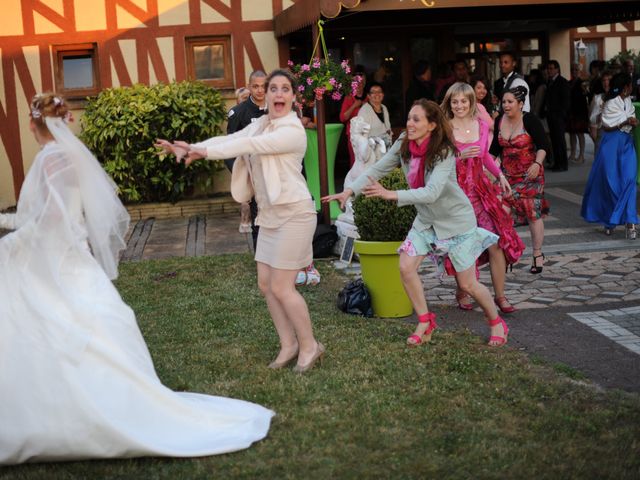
(361, 13)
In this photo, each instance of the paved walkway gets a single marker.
(177, 237)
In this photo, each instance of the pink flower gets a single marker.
(347, 70)
(344, 64)
(309, 80)
(301, 88)
(316, 63)
(336, 96)
(290, 63)
(319, 91)
(305, 68)
(333, 81)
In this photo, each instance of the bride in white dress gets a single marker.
(76, 378)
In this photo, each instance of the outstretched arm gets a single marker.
(440, 176)
(183, 149)
(369, 178)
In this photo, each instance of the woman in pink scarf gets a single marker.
(445, 226)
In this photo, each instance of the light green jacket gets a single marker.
(441, 203)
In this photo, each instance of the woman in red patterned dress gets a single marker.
(520, 141)
(471, 133)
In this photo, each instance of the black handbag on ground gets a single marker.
(355, 299)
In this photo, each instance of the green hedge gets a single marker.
(121, 124)
(381, 220)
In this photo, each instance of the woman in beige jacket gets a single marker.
(270, 167)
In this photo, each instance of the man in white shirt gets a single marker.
(510, 79)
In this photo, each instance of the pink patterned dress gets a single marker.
(486, 197)
(527, 202)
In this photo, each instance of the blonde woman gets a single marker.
(471, 134)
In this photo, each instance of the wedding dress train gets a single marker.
(76, 378)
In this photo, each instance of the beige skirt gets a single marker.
(289, 246)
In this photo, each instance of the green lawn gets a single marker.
(374, 408)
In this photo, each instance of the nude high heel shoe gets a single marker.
(278, 365)
(317, 357)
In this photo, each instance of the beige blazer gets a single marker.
(279, 145)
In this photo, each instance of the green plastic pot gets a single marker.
(312, 164)
(380, 265)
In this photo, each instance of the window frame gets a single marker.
(225, 40)
(59, 53)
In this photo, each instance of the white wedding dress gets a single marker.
(76, 378)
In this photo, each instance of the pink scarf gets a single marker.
(415, 177)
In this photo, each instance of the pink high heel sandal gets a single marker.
(460, 296)
(499, 341)
(430, 318)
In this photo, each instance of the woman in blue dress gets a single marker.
(610, 195)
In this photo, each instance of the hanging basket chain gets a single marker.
(319, 40)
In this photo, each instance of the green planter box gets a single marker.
(312, 167)
(380, 265)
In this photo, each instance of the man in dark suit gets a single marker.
(556, 103)
(242, 115)
(510, 79)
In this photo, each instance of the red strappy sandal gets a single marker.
(460, 296)
(494, 340)
(503, 304)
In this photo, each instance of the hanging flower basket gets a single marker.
(322, 76)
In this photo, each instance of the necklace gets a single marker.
(463, 129)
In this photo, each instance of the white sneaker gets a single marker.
(301, 279)
(308, 276)
(313, 275)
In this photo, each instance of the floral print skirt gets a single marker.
(461, 250)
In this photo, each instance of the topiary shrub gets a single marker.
(380, 220)
(121, 124)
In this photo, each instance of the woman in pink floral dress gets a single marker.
(471, 133)
(520, 141)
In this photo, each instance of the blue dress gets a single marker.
(610, 195)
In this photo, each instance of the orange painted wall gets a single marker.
(137, 41)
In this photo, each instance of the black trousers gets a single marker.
(557, 129)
